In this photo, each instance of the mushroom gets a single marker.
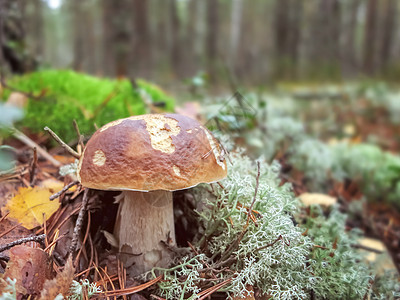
(147, 157)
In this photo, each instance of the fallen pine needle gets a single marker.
(134, 289)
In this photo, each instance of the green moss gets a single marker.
(68, 95)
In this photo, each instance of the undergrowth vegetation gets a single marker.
(276, 130)
(271, 252)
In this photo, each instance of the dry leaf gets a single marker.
(315, 198)
(30, 267)
(59, 285)
(32, 206)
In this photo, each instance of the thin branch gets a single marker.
(65, 188)
(62, 144)
(80, 137)
(36, 238)
(79, 221)
(27, 141)
(269, 245)
(33, 166)
(359, 246)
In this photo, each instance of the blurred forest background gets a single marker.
(251, 42)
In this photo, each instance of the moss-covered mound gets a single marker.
(62, 96)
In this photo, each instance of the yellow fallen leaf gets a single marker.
(315, 198)
(32, 206)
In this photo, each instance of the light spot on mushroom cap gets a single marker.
(214, 148)
(161, 130)
(111, 124)
(176, 170)
(99, 158)
(189, 131)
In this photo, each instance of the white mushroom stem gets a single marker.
(145, 219)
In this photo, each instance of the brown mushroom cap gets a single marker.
(151, 152)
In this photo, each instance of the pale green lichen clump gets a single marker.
(275, 255)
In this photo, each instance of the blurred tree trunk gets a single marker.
(79, 34)
(388, 31)
(295, 37)
(281, 24)
(212, 38)
(370, 38)
(287, 23)
(90, 41)
(191, 57)
(176, 53)
(107, 38)
(37, 28)
(161, 33)
(14, 55)
(349, 46)
(235, 32)
(121, 17)
(141, 38)
(324, 55)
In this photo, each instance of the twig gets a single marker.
(79, 221)
(268, 245)
(80, 137)
(359, 246)
(62, 144)
(32, 170)
(249, 213)
(65, 188)
(27, 141)
(37, 238)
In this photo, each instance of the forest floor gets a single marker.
(92, 254)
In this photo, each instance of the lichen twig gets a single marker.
(62, 143)
(36, 238)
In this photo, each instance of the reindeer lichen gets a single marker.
(267, 249)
